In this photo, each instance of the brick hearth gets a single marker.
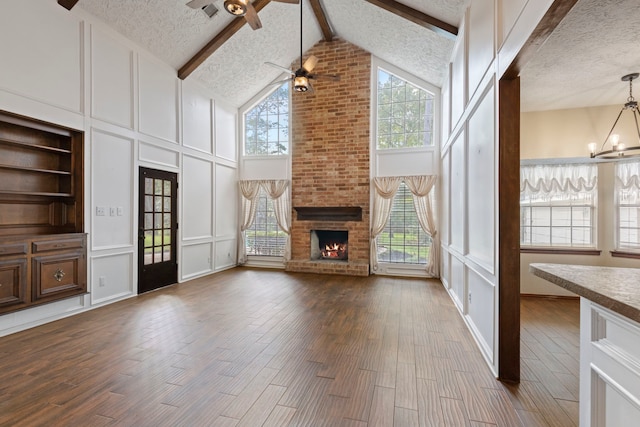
(330, 155)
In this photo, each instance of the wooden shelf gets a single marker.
(7, 141)
(41, 206)
(36, 193)
(38, 170)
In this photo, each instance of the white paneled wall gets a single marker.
(112, 163)
(50, 67)
(469, 159)
(112, 88)
(481, 183)
(158, 90)
(70, 69)
(197, 198)
(197, 119)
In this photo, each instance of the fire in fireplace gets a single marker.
(329, 245)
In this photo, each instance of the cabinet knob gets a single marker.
(58, 275)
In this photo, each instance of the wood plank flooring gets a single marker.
(267, 348)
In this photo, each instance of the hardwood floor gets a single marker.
(266, 348)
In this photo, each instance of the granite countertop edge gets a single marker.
(617, 289)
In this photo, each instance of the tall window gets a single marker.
(264, 237)
(403, 240)
(627, 189)
(266, 126)
(558, 206)
(405, 114)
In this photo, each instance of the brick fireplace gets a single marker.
(330, 158)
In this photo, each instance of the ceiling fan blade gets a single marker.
(252, 17)
(310, 63)
(279, 67)
(332, 77)
(288, 1)
(67, 4)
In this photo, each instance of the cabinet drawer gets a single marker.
(56, 245)
(13, 283)
(57, 275)
(13, 249)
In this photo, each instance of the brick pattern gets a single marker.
(330, 154)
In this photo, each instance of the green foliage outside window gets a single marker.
(266, 129)
(405, 114)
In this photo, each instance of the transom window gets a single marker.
(264, 237)
(405, 113)
(266, 126)
(403, 240)
(558, 206)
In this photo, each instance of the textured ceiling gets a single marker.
(236, 71)
(579, 65)
(582, 61)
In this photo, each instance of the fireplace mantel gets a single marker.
(331, 213)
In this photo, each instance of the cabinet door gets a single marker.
(13, 283)
(58, 275)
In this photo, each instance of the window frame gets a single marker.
(620, 251)
(268, 203)
(255, 102)
(591, 249)
(393, 72)
(388, 225)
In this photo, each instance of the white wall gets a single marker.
(561, 134)
(490, 36)
(67, 68)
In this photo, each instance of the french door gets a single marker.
(157, 229)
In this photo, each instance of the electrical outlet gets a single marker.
(120, 211)
(102, 281)
(112, 211)
(100, 211)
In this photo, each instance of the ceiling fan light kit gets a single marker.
(302, 76)
(236, 7)
(618, 149)
(301, 84)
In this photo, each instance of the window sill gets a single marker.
(561, 251)
(622, 254)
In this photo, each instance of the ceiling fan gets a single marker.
(302, 76)
(237, 8)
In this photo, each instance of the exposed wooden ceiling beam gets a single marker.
(215, 43)
(417, 17)
(67, 4)
(322, 20)
(555, 14)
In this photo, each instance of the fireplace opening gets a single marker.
(329, 245)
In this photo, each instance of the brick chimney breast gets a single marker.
(330, 154)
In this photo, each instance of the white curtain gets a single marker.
(628, 175)
(278, 191)
(385, 189)
(421, 187)
(249, 193)
(557, 181)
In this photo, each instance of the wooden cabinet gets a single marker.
(42, 245)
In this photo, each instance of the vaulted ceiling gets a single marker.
(236, 70)
(580, 64)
